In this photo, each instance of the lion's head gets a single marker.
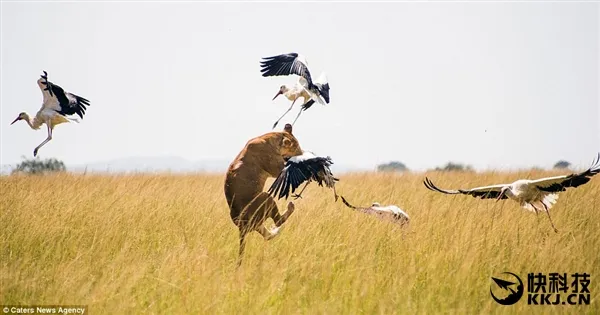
(289, 145)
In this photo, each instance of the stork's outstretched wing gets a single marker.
(561, 183)
(46, 90)
(299, 169)
(57, 99)
(286, 64)
(486, 192)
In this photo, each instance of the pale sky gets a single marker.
(494, 85)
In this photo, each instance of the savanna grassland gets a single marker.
(164, 244)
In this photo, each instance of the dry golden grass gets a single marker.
(165, 245)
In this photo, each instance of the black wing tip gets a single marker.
(576, 179)
(82, 100)
(429, 184)
(275, 189)
(278, 58)
(292, 54)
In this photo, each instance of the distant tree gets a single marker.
(562, 164)
(394, 166)
(37, 166)
(451, 166)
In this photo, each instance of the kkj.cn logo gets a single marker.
(510, 289)
(542, 289)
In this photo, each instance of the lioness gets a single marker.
(249, 206)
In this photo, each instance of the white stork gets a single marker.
(303, 168)
(56, 106)
(309, 90)
(387, 213)
(533, 195)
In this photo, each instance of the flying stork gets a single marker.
(307, 89)
(303, 168)
(387, 213)
(533, 195)
(56, 106)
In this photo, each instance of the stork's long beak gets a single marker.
(278, 93)
(14, 121)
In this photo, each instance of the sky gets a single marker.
(497, 85)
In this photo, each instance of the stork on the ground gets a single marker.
(303, 168)
(307, 89)
(534, 195)
(56, 106)
(390, 213)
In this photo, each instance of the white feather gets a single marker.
(322, 79)
(303, 157)
(391, 208)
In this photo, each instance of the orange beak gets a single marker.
(14, 121)
(278, 93)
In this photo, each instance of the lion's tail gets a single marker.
(348, 204)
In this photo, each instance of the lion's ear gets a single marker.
(288, 128)
(286, 142)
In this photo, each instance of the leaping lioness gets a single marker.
(250, 207)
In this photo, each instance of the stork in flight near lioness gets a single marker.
(308, 89)
(534, 195)
(57, 105)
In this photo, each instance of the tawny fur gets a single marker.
(249, 206)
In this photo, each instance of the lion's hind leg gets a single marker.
(243, 233)
(269, 208)
(280, 219)
(268, 234)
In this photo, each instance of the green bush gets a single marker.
(392, 167)
(451, 166)
(562, 164)
(37, 166)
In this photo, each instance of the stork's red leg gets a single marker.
(35, 151)
(300, 194)
(550, 218)
(299, 113)
(289, 109)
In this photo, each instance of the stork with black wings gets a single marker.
(56, 106)
(534, 195)
(303, 168)
(310, 91)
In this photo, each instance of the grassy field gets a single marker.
(164, 244)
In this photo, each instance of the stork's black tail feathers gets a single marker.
(307, 105)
